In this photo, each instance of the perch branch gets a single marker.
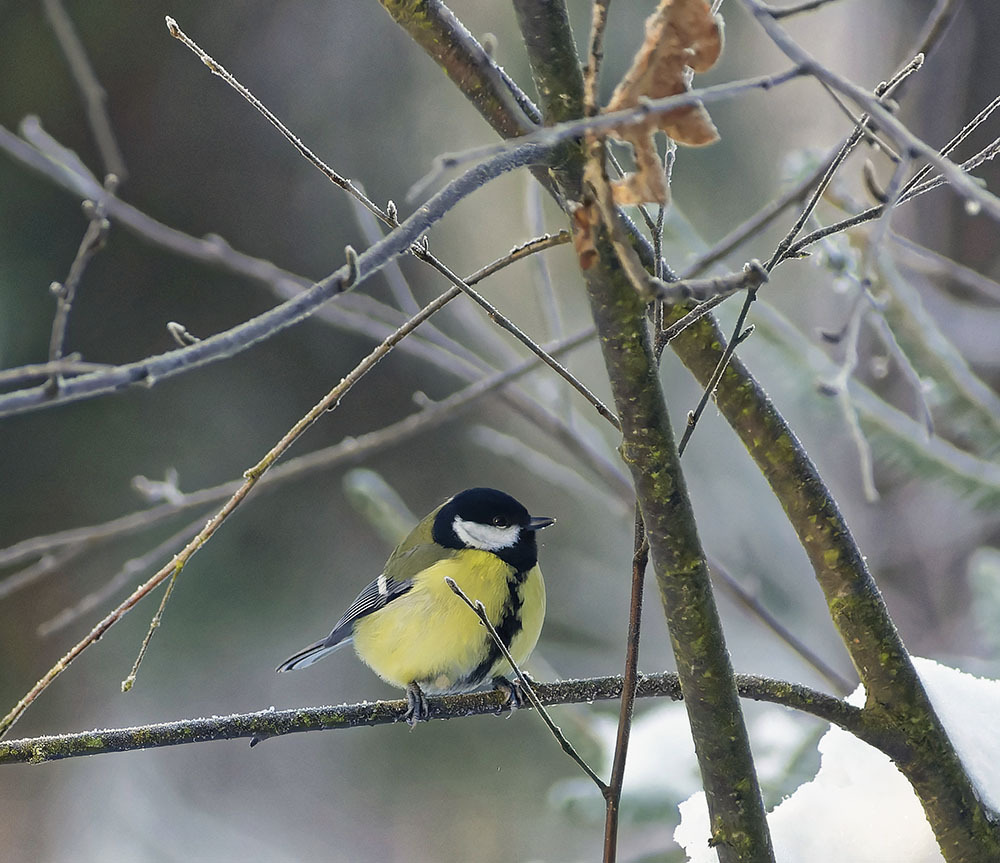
(273, 723)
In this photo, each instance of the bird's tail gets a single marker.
(308, 655)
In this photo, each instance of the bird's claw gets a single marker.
(417, 708)
(516, 697)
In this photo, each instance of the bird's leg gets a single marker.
(417, 706)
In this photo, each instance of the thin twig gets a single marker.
(505, 323)
(398, 286)
(848, 146)
(957, 139)
(127, 574)
(872, 213)
(859, 123)
(630, 682)
(796, 8)
(552, 136)
(592, 71)
(351, 449)
(154, 624)
(68, 365)
(750, 601)
(739, 336)
(965, 186)
(93, 241)
(95, 97)
(217, 69)
(567, 747)
(935, 26)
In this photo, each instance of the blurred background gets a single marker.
(348, 81)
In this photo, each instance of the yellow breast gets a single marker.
(431, 637)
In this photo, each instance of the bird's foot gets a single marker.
(417, 707)
(516, 697)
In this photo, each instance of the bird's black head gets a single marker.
(492, 521)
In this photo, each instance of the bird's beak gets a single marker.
(540, 522)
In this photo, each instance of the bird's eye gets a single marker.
(501, 521)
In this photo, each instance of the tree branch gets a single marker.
(739, 828)
(349, 451)
(706, 675)
(434, 27)
(840, 568)
(630, 679)
(964, 185)
(233, 341)
(570, 130)
(94, 96)
(273, 723)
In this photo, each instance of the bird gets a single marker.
(415, 633)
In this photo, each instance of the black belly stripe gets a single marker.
(507, 628)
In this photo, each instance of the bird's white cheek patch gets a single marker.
(485, 536)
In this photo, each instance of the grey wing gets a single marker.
(377, 595)
(385, 588)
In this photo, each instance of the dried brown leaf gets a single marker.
(586, 219)
(680, 35)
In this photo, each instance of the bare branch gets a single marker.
(435, 28)
(233, 341)
(93, 241)
(795, 8)
(505, 323)
(479, 610)
(551, 136)
(273, 723)
(630, 683)
(595, 54)
(94, 95)
(964, 185)
(68, 365)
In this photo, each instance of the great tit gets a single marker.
(412, 630)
